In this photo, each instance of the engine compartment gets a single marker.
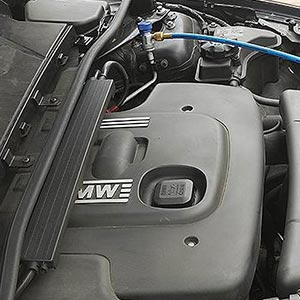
(203, 145)
(160, 163)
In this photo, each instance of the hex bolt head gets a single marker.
(170, 25)
(164, 63)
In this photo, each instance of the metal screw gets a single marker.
(172, 16)
(62, 59)
(26, 160)
(191, 241)
(138, 20)
(292, 24)
(53, 100)
(164, 63)
(143, 68)
(170, 25)
(160, 10)
(60, 56)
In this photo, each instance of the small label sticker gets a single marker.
(172, 190)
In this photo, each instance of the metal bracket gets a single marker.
(24, 129)
(292, 33)
(296, 28)
(14, 161)
(41, 100)
(209, 3)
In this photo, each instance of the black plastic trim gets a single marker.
(56, 198)
(17, 232)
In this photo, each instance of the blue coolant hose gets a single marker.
(159, 36)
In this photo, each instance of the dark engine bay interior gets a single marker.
(174, 175)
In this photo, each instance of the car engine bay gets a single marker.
(149, 150)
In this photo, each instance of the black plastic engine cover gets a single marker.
(208, 134)
(84, 15)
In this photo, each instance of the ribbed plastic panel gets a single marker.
(58, 193)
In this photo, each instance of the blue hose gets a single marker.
(269, 51)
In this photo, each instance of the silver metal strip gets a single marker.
(124, 195)
(125, 122)
(125, 119)
(108, 181)
(123, 126)
(125, 185)
(95, 201)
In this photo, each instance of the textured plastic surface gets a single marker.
(217, 140)
(116, 153)
(85, 15)
(164, 159)
(58, 193)
(288, 273)
(22, 49)
(78, 277)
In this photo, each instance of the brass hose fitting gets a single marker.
(160, 36)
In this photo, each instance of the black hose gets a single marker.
(263, 100)
(201, 17)
(213, 19)
(25, 282)
(187, 11)
(107, 67)
(274, 128)
(15, 239)
(266, 101)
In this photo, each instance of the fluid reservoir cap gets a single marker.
(218, 51)
(174, 193)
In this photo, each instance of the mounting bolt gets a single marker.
(138, 20)
(143, 68)
(24, 129)
(292, 24)
(164, 63)
(44, 268)
(170, 25)
(26, 160)
(172, 16)
(213, 25)
(160, 10)
(81, 38)
(62, 59)
(53, 100)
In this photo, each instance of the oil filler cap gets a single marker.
(174, 193)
